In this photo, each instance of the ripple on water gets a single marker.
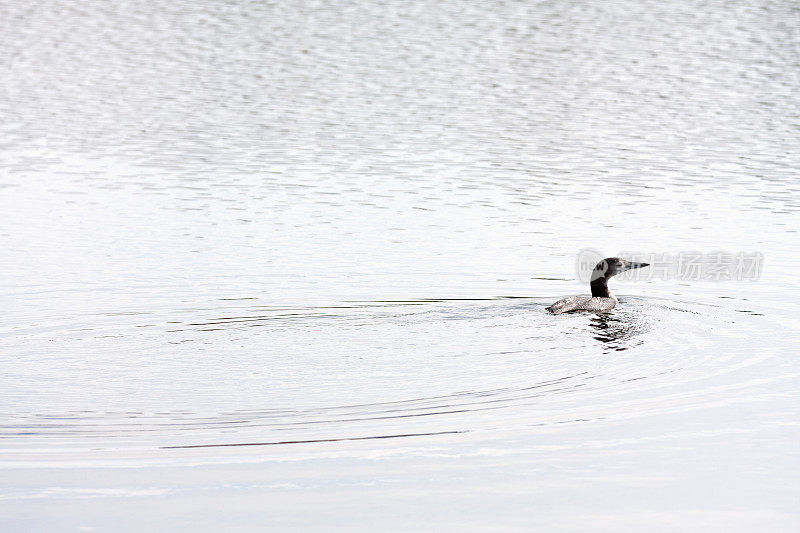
(376, 369)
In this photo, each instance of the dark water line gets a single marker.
(312, 441)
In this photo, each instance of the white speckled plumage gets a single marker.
(583, 303)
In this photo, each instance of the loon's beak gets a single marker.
(633, 265)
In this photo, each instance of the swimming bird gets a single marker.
(601, 298)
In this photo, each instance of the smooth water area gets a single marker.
(283, 266)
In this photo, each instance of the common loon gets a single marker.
(601, 298)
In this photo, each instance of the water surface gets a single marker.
(285, 266)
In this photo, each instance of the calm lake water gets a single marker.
(283, 266)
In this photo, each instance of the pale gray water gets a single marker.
(302, 226)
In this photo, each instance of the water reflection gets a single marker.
(618, 332)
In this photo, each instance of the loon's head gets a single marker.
(611, 266)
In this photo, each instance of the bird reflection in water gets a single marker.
(618, 332)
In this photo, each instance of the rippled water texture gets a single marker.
(283, 266)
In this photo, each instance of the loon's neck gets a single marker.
(600, 288)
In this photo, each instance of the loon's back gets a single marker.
(582, 303)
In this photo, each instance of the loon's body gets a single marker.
(601, 299)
